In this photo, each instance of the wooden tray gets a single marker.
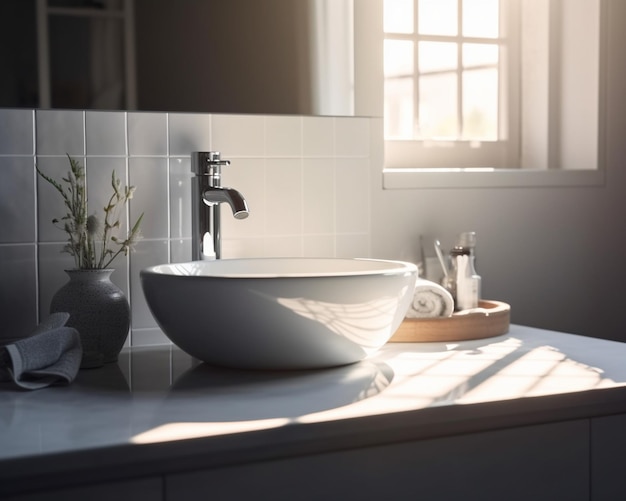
(490, 319)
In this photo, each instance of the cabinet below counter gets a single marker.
(533, 414)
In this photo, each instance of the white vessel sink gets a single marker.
(280, 313)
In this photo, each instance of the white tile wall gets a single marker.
(306, 180)
(283, 136)
(18, 289)
(151, 178)
(187, 133)
(17, 132)
(18, 212)
(318, 196)
(59, 132)
(147, 134)
(105, 133)
(318, 137)
(239, 135)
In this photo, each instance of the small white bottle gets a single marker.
(467, 281)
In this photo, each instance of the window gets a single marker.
(441, 80)
(487, 86)
(447, 82)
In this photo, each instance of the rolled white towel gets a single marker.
(430, 300)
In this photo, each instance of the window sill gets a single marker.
(397, 179)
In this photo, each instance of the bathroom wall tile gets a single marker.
(18, 291)
(283, 188)
(150, 177)
(238, 135)
(49, 201)
(147, 253)
(283, 136)
(148, 337)
(120, 276)
(189, 132)
(356, 245)
(303, 200)
(60, 132)
(283, 246)
(248, 177)
(99, 189)
(318, 136)
(180, 197)
(352, 137)
(17, 199)
(52, 263)
(318, 245)
(17, 133)
(318, 195)
(147, 134)
(243, 247)
(352, 195)
(180, 250)
(105, 133)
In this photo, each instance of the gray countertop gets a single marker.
(157, 405)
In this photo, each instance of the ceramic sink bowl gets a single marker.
(280, 313)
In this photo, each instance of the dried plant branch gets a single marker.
(89, 241)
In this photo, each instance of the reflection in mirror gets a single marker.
(220, 56)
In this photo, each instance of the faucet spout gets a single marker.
(207, 194)
(214, 195)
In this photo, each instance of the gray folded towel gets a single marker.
(50, 355)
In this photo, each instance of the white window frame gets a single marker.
(369, 101)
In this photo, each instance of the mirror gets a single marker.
(219, 56)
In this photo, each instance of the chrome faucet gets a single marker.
(207, 193)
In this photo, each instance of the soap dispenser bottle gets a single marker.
(467, 281)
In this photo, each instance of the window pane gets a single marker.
(437, 56)
(437, 17)
(480, 105)
(399, 108)
(475, 54)
(438, 107)
(398, 58)
(481, 18)
(398, 16)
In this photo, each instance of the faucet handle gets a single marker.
(216, 160)
(207, 162)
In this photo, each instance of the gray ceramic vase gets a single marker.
(98, 310)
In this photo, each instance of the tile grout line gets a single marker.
(36, 215)
(168, 173)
